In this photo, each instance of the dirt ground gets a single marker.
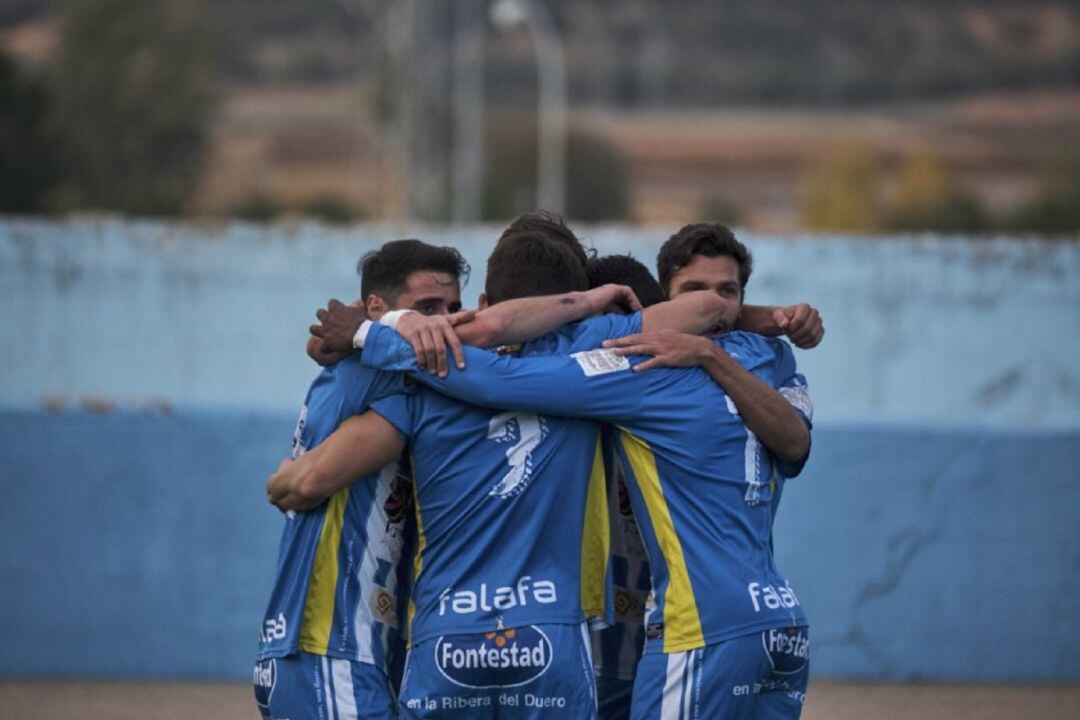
(828, 700)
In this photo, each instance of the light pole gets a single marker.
(552, 112)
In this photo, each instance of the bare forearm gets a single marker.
(759, 319)
(515, 321)
(764, 410)
(693, 313)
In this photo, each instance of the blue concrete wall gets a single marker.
(931, 536)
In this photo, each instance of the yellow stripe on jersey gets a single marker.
(682, 625)
(319, 606)
(595, 540)
(418, 556)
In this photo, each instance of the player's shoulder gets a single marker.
(350, 377)
(587, 334)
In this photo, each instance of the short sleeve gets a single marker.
(397, 410)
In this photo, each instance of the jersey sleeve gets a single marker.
(792, 385)
(397, 410)
(593, 384)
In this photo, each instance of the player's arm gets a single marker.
(362, 445)
(506, 323)
(522, 319)
(801, 323)
(765, 411)
(596, 385)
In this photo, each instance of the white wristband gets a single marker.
(361, 334)
(390, 319)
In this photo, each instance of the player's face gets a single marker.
(719, 274)
(430, 293)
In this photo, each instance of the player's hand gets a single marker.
(801, 323)
(669, 348)
(338, 324)
(318, 352)
(283, 489)
(612, 298)
(430, 334)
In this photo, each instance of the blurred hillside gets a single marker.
(691, 53)
(345, 109)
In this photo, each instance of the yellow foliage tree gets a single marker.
(842, 192)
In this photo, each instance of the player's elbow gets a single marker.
(792, 448)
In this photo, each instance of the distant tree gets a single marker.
(1055, 209)
(596, 188)
(843, 191)
(927, 197)
(134, 91)
(27, 161)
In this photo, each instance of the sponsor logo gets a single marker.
(274, 628)
(505, 658)
(788, 641)
(771, 597)
(465, 602)
(384, 606)
(264, 679)
(629, 605)
(654, 631)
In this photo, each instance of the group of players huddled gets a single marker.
(557, 506)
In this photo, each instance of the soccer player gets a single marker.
(505, 574)
(726, 635)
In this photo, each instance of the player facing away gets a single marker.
(726, 636)
(332, 620)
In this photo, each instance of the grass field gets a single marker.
(828, 700)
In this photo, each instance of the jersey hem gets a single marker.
(471, 628)
(338, 655)
(656, 647)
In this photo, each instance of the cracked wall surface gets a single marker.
(152, 373)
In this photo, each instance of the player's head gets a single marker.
(550, 226)
(413, 275)
(625, 270)
(706, 256)
(526, 264)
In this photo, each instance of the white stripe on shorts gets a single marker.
(344, 696)
(671, 702)
(328, 695)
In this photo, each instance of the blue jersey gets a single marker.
(702, 486)
(511, 511)
(338, 571)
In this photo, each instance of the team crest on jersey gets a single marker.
(504, 658)
(522, 432)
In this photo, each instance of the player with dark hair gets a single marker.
(550, 226)
(625, 270)
(331, 623)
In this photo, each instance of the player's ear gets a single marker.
(374, 306)
(482, 302)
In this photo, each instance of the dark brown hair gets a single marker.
(708, 239)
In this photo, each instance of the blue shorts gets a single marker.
(536, 671)
(763, 675)
(613, 698)
(303, 686)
